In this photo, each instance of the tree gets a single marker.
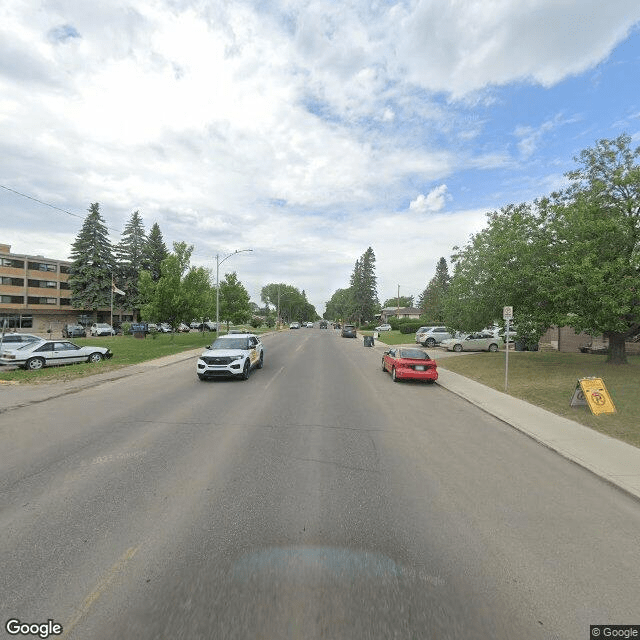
(131, 259)
(234, 300)
(292, 303)
(182, 293)
(93, 264)
(595, 227)
(403, 301)
(364, 288)
(431, 301)
(156, 252)
(340, 306)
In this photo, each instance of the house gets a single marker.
(403, 312)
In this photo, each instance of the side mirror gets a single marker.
(208, 346)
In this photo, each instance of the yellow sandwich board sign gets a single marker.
(592, 392)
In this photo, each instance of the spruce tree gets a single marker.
(156, 252)
(364, 288)
(93, 264)
(131, 258)
(431, 300)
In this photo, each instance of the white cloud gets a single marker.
(435, 200)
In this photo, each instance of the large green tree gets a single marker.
(402, 301)
(131, 259)
(364, 288)
(234, 300)
(182, 293)
(92, 263)
(431, 301)
(340, 306)
(156, 252)
(289, 301)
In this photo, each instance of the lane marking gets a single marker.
(99, 589)
(273, 378)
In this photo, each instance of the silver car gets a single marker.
(474, 342)
(48, 353)
(433, 336)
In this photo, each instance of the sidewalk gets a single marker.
(613, 460)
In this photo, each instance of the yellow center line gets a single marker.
(88, 602)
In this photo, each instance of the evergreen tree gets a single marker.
(156, 252)
(131, 259)
(93, 264)
(431, 300)
(364, 288)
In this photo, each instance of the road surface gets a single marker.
(318, 499)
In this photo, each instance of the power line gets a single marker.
(52, 206)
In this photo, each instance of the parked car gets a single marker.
(183, 328)
(384, 327)
(102, 329)
(231, 356)
(210, 326)
(165, 327)
(47, 353)
(309, 325)
(74, 331)
(409, 364)
(294, 325)
(12, 340)
(195, 325)
(349, 331)
(324, 324)
(474, 342)
(433, 336)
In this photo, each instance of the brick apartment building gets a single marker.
(35, 295)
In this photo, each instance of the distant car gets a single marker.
(474, 342)
(420, 331)
(433, 336)
(195, 325)
(165, 327)
(294, 325)
(231, 356)
(47, 353)
(409, 364)
(384, 327)
(309, 325)
(74, 331)
(102, 329)
(19, 338)
(324, 324)
(183, 328)
(210, 326)
(349, 331)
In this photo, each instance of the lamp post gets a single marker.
(218, 263)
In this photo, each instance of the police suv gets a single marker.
(231, 355)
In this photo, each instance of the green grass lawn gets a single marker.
(126, 350)
(548, 379)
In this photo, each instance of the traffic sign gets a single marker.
(507, 313)
(592, 392)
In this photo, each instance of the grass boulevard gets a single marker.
(545, 379)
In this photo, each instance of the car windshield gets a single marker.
(102, 326)
(413, 354)
(230, 343)
(28, 345)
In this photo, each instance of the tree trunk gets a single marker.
(617, 351)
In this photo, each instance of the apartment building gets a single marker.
(35, 295)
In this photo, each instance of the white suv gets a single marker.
(433, 336)
(231, 355)
(102, 329)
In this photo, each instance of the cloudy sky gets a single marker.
(306, 130)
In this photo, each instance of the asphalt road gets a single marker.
(318, 499)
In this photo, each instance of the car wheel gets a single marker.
(429, 342)
(493, 347)
(383, 367)
(457, 347)
(261, 361)
(394, 377)
(430, 381)
(95, 357)
(33, 364)
(246, 370)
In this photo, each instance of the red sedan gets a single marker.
(406, 363)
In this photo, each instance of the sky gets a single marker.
(305, 130)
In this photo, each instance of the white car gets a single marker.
(164, 327)
(48, 353)
(13, 340)
(102, 329)
(433, 336)
(384, 327)
(231, 355)
(294, 325)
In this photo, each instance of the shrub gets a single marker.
(256, 322)
(410, 327)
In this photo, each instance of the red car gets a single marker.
(405, 363)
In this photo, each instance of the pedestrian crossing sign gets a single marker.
(592, 392)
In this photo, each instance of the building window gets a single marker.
(14, 264)
(65, 302)
(42, 266)
(65, 269)
(43, 300)
(16, 321)
(12, 299)
(12, 282)
(64, 285)
(43, 284)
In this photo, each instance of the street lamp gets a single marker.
(218, 263)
